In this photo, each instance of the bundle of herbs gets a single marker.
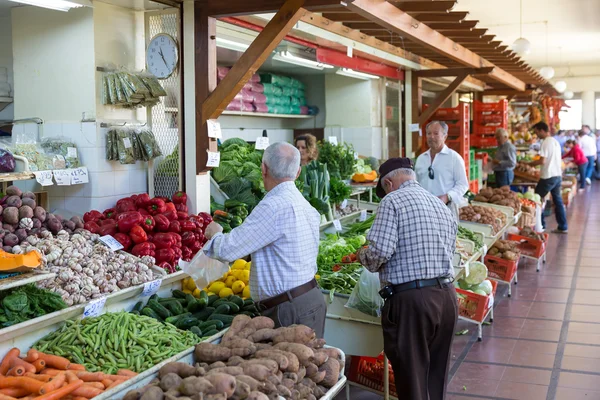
(313, 182)
(340, 159)
(27, 302)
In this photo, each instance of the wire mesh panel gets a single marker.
(393, 117)
(165, 172)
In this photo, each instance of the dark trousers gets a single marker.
(582, 171)
(504, 178)
(308, 309)
(590, 167)
(418, 329)
(552, 186)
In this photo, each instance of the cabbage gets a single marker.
(529, 195)
(480, 292)
(485, 286)
(463, 285)
(537, 198)
(224, 172)
(477, 273)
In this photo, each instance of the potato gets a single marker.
(153, 393)
(212, 352)
(332, 372)
(509, 255)
(193, 385)
(170, 381)
(222, 383)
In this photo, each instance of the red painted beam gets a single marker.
(339, 59)
(258, 28)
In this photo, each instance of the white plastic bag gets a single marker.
(365, 296)
(204, 269)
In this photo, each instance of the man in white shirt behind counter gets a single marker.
(282, 234)
(441, 170)
(588, 145)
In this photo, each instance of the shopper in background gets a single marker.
(575, 154)
(505, 159)
(282, 234)
(597, 172)
(307, 145)
(411, 245)
(551, 175)
(441, 170)
(562, 139)
(588, 145)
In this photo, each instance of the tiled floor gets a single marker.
(545, 339)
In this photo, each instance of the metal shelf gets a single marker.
(24, 279)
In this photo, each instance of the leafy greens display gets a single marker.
(339, 159)
(27, 302)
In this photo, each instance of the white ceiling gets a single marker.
(573, 28)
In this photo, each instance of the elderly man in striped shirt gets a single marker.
(282, 235)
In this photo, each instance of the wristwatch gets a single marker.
(449, 198)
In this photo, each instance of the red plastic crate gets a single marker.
(479, 106)
(483, 157)
(474, 186)
(479, 141)
(500, 269)
(368, 371)
(474, 306)
(485, 130)
(529, 246)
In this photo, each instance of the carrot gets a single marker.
(115, 383)
(106, 383)
(92, 376)
(126, 372)
(79, 398)
(77, 367)
(15, 392)
(54, 384)
(39, 365)
(5, 365)
(61, 392)
(71, 377)
(32, 355)
(16, 361)
(7, 397)
(39, 377)
(96, 385)
(55, 361)
(22, 382)
(87, 391)
(16, 371)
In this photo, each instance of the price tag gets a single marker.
(333, 140)
(151, 287)
(515, 219)
(491, 304)
(127, 143)
(111, 242)
(62, 177)
(72, 152)
(214, 129)
(344, 204)
(94, 307)
(337, 224)
(363, 216)
(214, 159)
(414, 127)
(79, 176)
(466, 269)
(44, 178)
(485, 249)
(261, 143)
(355, 155)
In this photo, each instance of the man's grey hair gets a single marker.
(282, 160)
(407, 172)
(440, 123)
(502, 131)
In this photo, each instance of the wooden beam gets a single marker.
(424, 6)
(231, 8)
(352, 17)
(385, 14)
(441, 98)
(453, 25)
(506, 92)
(443, 17)
(260, 49)
(472, 33)
(434, 73)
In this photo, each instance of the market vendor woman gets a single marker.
(282, 235)
(307, 145)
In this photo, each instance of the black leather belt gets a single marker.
(287, 296)
(422, 283)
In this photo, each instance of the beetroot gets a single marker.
(25, 212)
(54, 225)
(14, 191)
(3, 200)
(58, 217)
(37, 224)
(7, 249)
(29, 202)
(14, 201)
(78, 222)
(69, 225)
(10, 215)
(21, 234)
(28, 195)
(39, 213)
(11, 240)
(8, 227)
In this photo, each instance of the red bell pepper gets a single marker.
(92, 216)
(181, 208)
(143, 211)
(171, 215)
(125, 205)
(165, 255)
(182, 216)
(124, 240)
(196, 246)
(179, 198)
(164, 240)
(111, 213)
(188, 238)
(150, 236)
(199, 221)
(175, 227)
(186, 253)
(178, 253)
(161, 223)
(148, 223)
(144, 249)
(168, 267)
(107, 230)
(170, 207)
(127, 220)
(206, 217)
(111, 222)
(142, 200)
(138, 235)
(187, 226)
(200, 236)
(176, 237)
(156, 206)
(92, 227)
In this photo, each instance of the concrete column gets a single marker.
(588, 108)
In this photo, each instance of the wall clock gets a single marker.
(162, 56)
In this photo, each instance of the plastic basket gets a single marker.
(529, 246)
(500, 269)
(368, 371)
(474, 186)
(525, 220)
(485, 130)
(479, 106)
(479, 141)
(475, 306)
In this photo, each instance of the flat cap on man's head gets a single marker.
(389, 166)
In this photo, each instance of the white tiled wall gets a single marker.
(366, 141)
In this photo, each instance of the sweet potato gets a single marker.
(170, 381)
(332, 372)
(218, 364)
(182, 369)
(242, 390)
(261, 323)
(153, 393)
(291, 376)
(193, 385)
(243, 351)
(274, 379)
(212, 352)
(250, 381)
(331, 352)
(268, 388)
(320, 358)
(280, 358)
(294, 334)
(263, 335)
(239, 322)
(288, 383)
(235, 361)
(263, 346)
(222, 383)
(271, 365)
(316, 343)
(238, 343)
(304, 353)
(319, 391)
(216, 396)
(257, 371)
(301, 372)
(246, 333)
(233, 371)
(254, 395)
(283, 391)
(304, 390)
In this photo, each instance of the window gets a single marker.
(572, 117)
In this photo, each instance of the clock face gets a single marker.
(162, 56)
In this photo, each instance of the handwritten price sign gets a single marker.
(111, 242)
(363, 216)
(344, 204)
(151, 287)
(62, 177)
(79, 176)
(44, 178)
(261, 143)
(337, 224)
(214, 159)
(214, 129)
(94, 308)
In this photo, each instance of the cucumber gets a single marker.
(153, 297)
(166, 299)
(136, 312)
(203, 299)
(148, 312)
(226, 319)
(204, 314)
(173, 320)
(233, 308)
(193, 304)
(223, 309)
(174, 307)
(179, 294)
(211, 333)
(196, 331)
(251, 309)
(159, 309)
(248, 302)
(248, 313)
(237, 300)
(212, 299)
(209, 325)
(138, 306)
(187, 323)
(219, 302)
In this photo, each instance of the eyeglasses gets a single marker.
(431, 174)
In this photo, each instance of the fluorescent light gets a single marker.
(355, 74)
(231, 45)
(58, 5)
(287, 57)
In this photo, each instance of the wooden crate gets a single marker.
(42, 200)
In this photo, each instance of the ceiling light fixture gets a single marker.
(547, 72)
(355, 74)
(521, 46)
(231, 45)
(568, 95)
(287, 57)
(58, 5)
(560, 86)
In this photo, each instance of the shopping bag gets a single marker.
(365, 296)
(204, 269)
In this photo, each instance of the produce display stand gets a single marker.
(502, 270)
(8, 177)
(475, 308)
(531, 249)
(329, 226)
(25, 278)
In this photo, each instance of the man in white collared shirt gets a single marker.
(441, 170)
(588, 145)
